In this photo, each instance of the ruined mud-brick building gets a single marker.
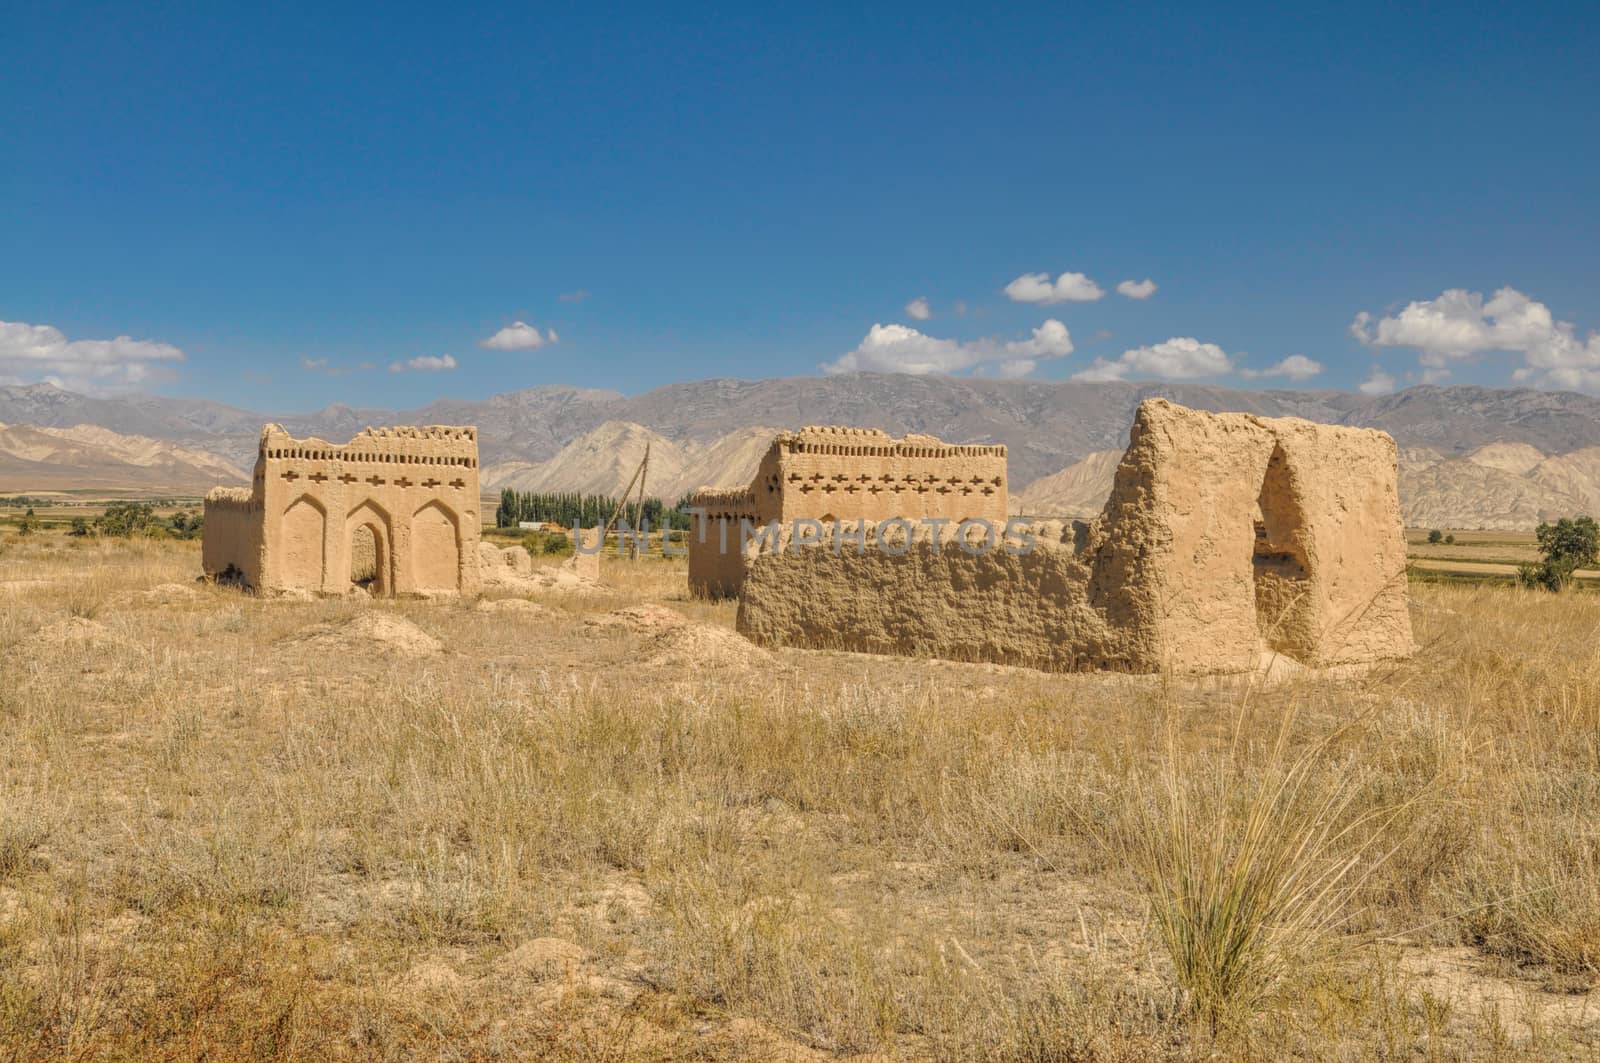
(842, 474)
(394, 510)
(1229, 540)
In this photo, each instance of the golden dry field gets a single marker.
(605, 827)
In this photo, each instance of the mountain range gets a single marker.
(713, 431)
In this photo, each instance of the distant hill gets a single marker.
(90, 457)
(1048, 426)
(604, 460)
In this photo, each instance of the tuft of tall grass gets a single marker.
(1249, 871)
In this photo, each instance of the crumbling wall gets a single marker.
(1227, 538)
(831, 474)
(230, 546)
(1023, 608)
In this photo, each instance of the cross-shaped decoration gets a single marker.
(347, 479)
(458, 482)
(291, 476)
(430, 482)
(402, 482)
(375, 480)
(318, 477)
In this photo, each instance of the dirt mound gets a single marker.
(369, 631)
(703, 646)
(641, 619)
(76, 632)
(517, 607)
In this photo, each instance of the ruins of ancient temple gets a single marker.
(394, 510)
(832, 474)
(1229, 540)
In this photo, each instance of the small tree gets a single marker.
(1567, 545)
(1449, 540)
(80, 527)
(127, 519)
(1436, 536)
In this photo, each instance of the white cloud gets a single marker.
(573, 297)
(1067, 288)
(1295, 367)
(1180, 358)
(425, 363)
(918, 309)
(42, 352)
(518, 336)
(1377, 383)
(1460, 326)
(902, 349)
(1137, 289)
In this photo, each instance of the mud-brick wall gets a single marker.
(1027, 609)
(232, 535)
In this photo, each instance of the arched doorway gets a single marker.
(369, 549)
(1280, 565)
(366, 555)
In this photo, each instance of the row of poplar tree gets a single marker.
(567, 508)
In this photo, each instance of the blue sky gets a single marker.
(263, 202)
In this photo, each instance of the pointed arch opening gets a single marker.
(1280, 565)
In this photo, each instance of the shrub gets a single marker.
(127, 520)
(1436, 536)
(1569, 544)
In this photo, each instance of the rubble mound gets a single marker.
(76, 632)
(512, 568)
(369, 631)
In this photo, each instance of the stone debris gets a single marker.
(512, 568)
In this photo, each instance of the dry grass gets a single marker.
(219, 839)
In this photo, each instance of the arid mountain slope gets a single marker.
(88, 456)
(604, 460)
(1079, 490)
